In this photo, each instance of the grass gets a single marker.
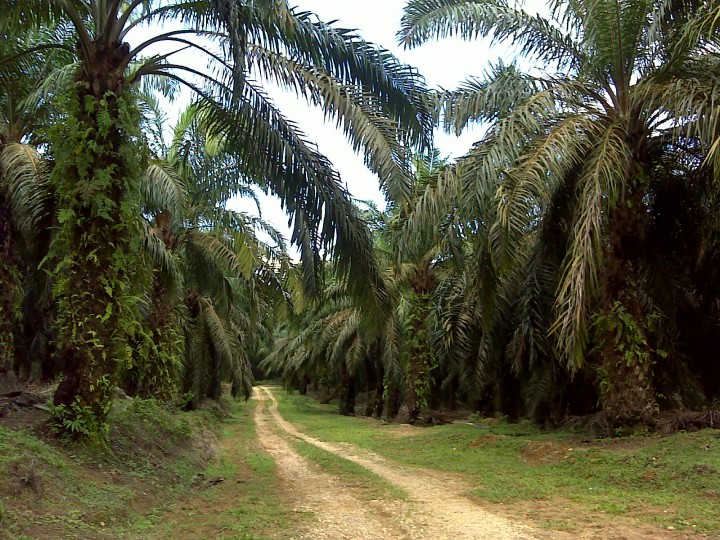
(50, 489)
(669, 481)
(247, 505)
(364, 483)
(42, 488)
(154, 481)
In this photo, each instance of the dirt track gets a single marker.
(437, 508)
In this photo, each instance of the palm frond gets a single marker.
(601, 182)
(24, 176)
(469, 19)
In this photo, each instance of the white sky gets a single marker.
(444, 64)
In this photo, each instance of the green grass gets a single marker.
(671, 481)
(364, 483)
(51, 489)
(247, 505)
(42, 487)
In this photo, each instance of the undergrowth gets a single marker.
(61, 489)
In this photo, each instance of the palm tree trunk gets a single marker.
(159, 371)
(97, 165)
(328, 394)
(303, 384)
(627, 390)
(410, 405)
(214, 390)
(626, 354)
(8, 291)
(393, 400)
(378, 403)
(347, 392)
(417, 376)
(371, 375)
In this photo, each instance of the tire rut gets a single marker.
(437, 509)
(340, 515)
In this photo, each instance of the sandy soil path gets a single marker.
(339, 514)
(437, 508)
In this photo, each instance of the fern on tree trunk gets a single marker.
(96, 175)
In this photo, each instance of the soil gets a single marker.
(339, 514)
(439, 506)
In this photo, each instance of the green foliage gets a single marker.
(480, 281)
(85, 484)
(99, 271)
(158, 417)
(420, 360)
(185, 400)
(157, 359)
(99, 142)
(79, 420)
(629, 336)
(574, 197)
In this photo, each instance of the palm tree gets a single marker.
(214, 280)
(25, 195)
(625, 96)
(98, 166)
(418, 253)
(338, 343)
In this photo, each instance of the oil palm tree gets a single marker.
(336, 342)
(418, 252)
(214, 280)
(622, 89)
(25, 194)
(98, 167)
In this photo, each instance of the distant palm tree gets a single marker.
(418, 249)
(214, 279)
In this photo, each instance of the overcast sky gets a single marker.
(444, 64)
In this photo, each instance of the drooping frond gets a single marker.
(602, 178)
(424, 20)
(360, 115)
(308, 187)
(216, 254)
(162, 257)
(164, 190)
(343, 55)
(24, 178)
(487, 99)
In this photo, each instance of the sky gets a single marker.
(443, 63)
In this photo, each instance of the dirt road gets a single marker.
(437, 508)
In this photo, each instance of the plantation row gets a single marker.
(567, 265)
